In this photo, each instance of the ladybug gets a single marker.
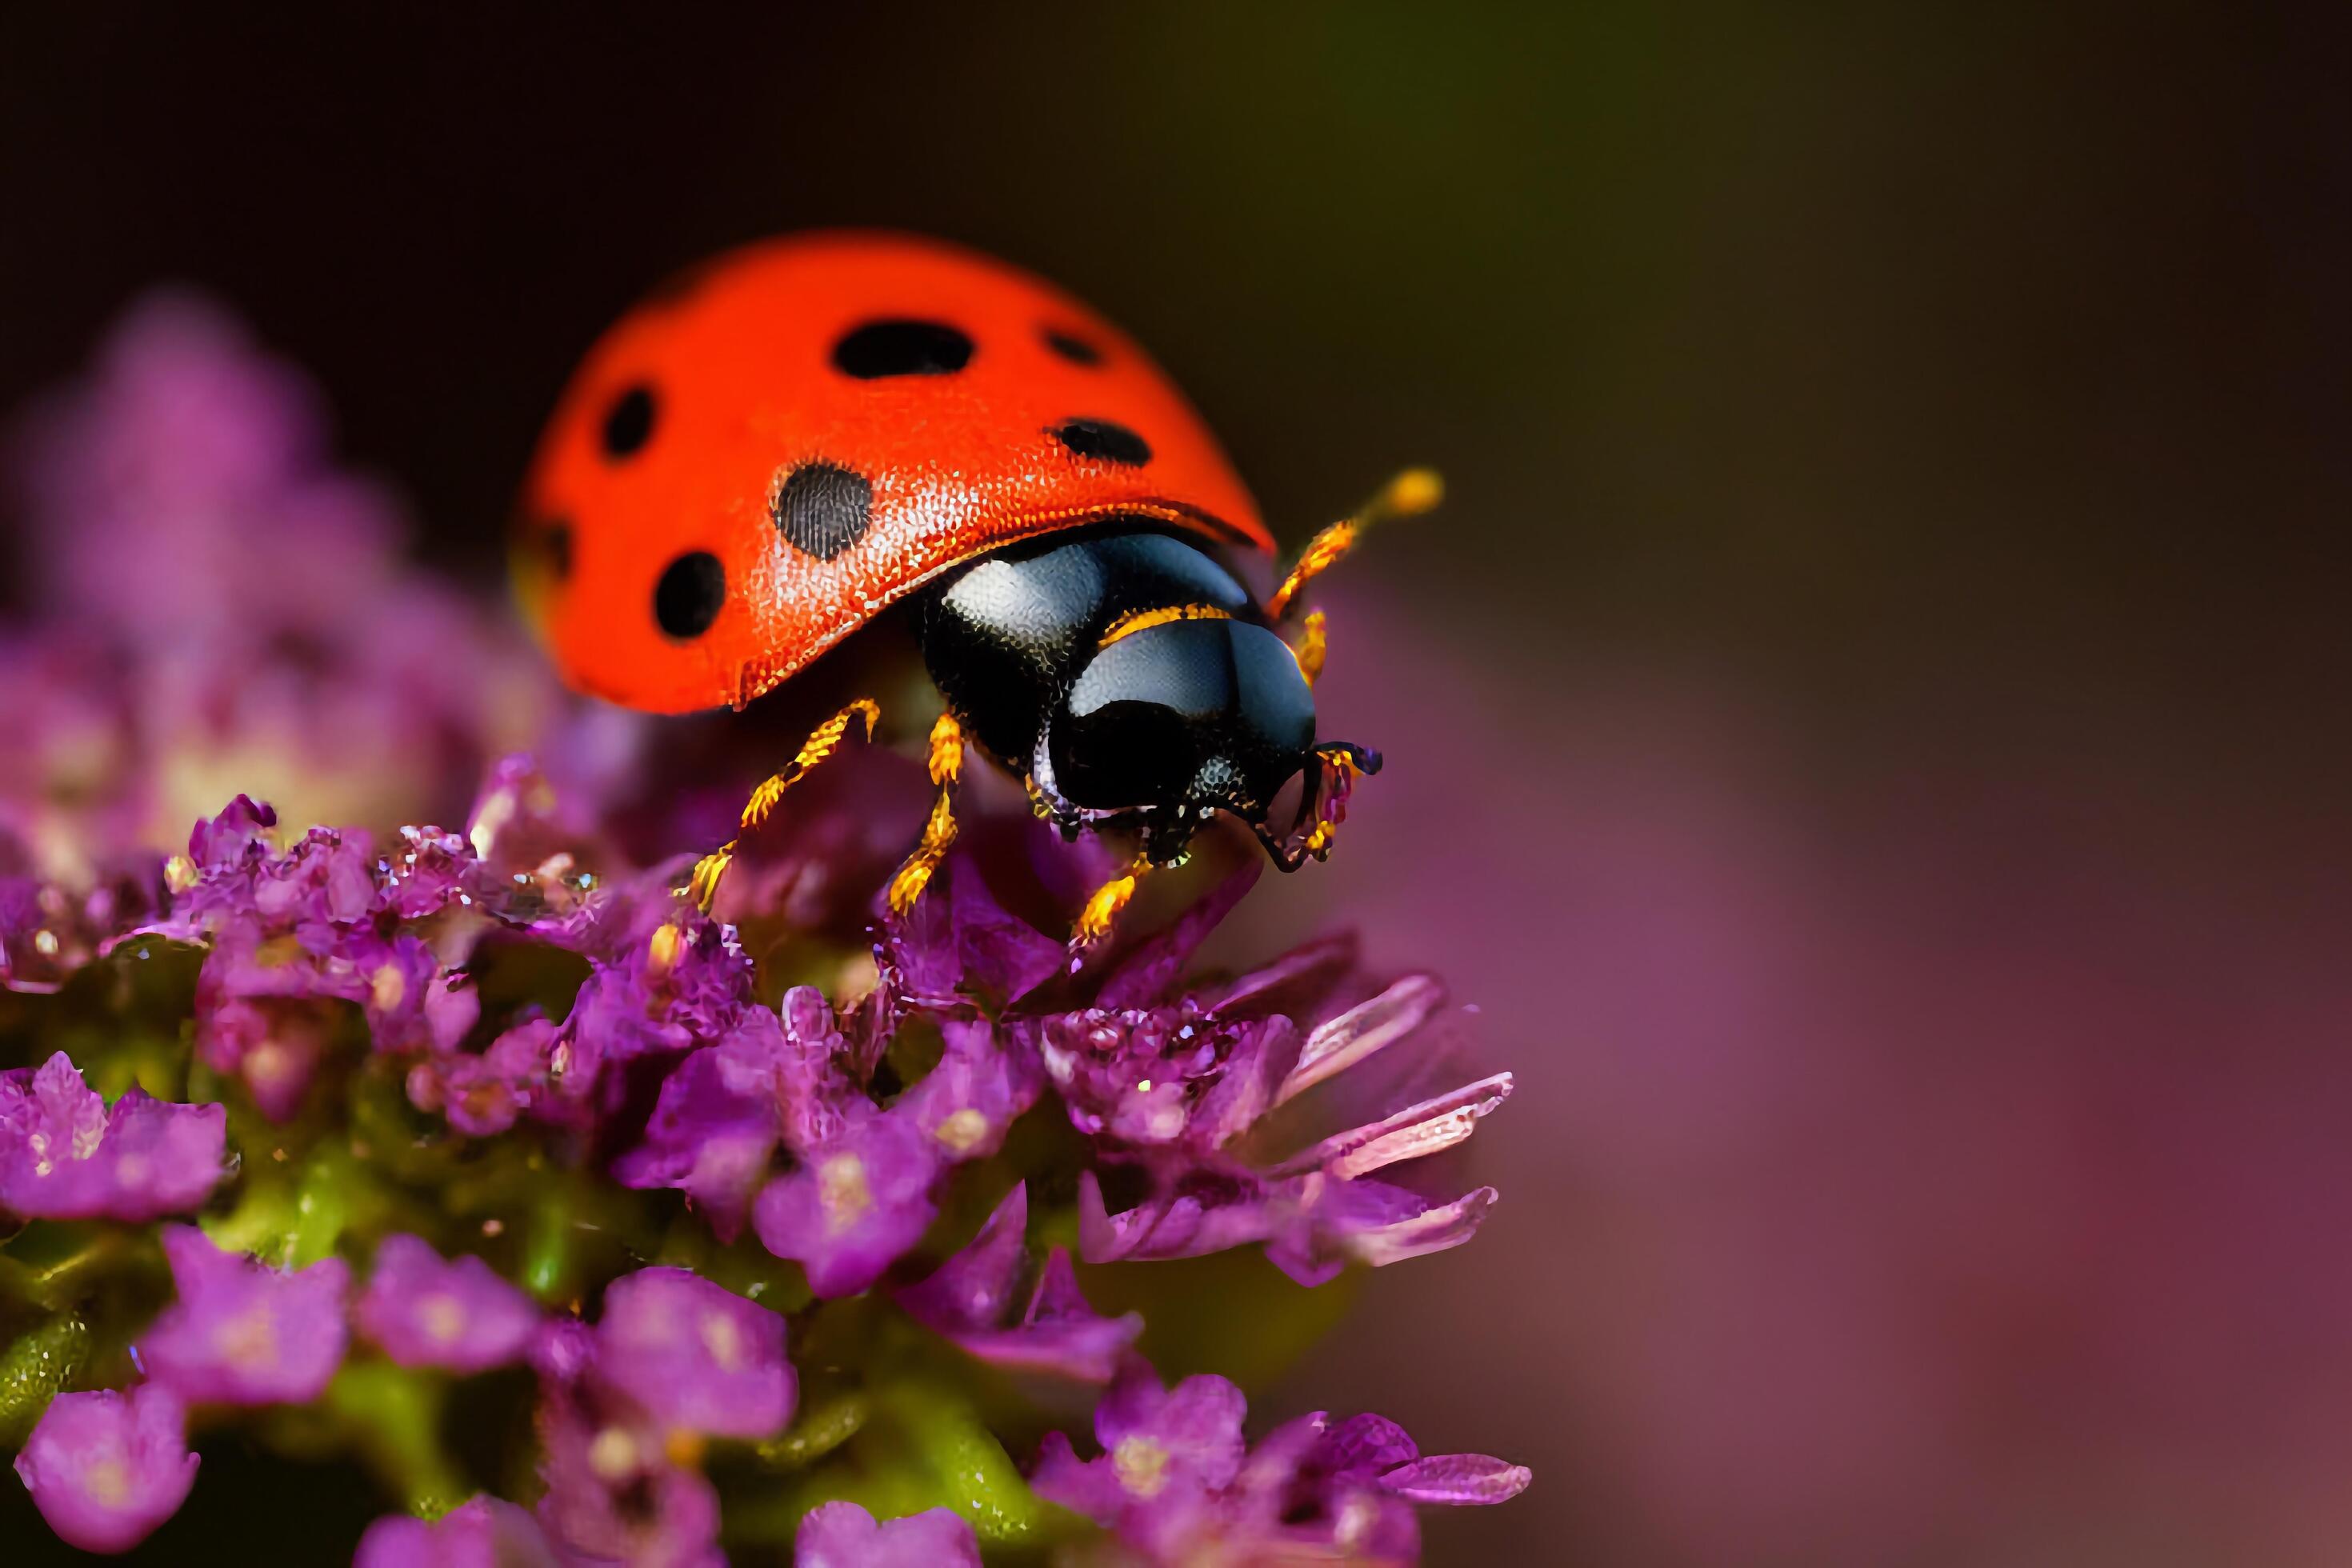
(764, 456)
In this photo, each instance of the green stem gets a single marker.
(34, 1369)
(820, 1430)
(394, 1418)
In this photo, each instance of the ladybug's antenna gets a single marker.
(1332, 770)
(1411, 492)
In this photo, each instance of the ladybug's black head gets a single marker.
(1187, 717)
(1138, 683)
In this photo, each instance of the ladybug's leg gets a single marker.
(822, 741)
(1102, 909)
(947, 767)
(1332, 771)
(1312, 646)
(1411, 492)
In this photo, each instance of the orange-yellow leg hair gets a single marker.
(822, 741)
(1413, 492)
(1102, 910)
(1331, 776)
(1313, 644)
(947, 767)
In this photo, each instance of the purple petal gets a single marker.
(1424, 1129)
(1193, 1429)
(1366, 1444)
(1149, 973)
(242, 1333)
(695, 1355)
(64, 1155)
(1086, 1487)
(612, 1494)
(1457, 1478)
(855, 1208)
(972, 1097)
(844, 1535)
(237, 837)
(1291, 982)
(1187, 1223)
(106, 1468)
(960, 939)
(458, 1315)
(975, 1288)
(1003, 956)
(971, 1299)
(706, 1139)
(1434, 1228)
(1061, 1334)
(1342, 1042)
(483, 1095)
(166, 1158)
(487, 1532)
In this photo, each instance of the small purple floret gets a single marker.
(1175, 1482)
(972, 1300)
(844, 1535)
(854, 1206)
(971, 1099)
(458, 1315)
(695, 1355)
(487, 1533)
(64, 1154)
(106, 1468)
(243, 1333)
(1165, 1453)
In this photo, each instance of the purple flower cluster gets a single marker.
(1185, 1081)
(540, 1108)
(220, 609)
(625, 1407)
(1179, 1483)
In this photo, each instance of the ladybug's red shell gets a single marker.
(751, 466)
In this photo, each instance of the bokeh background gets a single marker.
(1869, 733)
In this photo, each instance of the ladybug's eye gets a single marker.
(629, 422)
(901, 348)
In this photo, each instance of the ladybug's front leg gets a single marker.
(1102, 908)
(822, 741)
(939, 831)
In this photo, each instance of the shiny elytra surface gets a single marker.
(770, 450)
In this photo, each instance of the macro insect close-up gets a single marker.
(788, 441)
(1173, 786)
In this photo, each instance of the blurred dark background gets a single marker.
(1869, 730)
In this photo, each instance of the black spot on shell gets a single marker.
(1071, 347)
(692, 591)
(823, 509)
(629, 422)
(1102, 440)
(880, 349)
